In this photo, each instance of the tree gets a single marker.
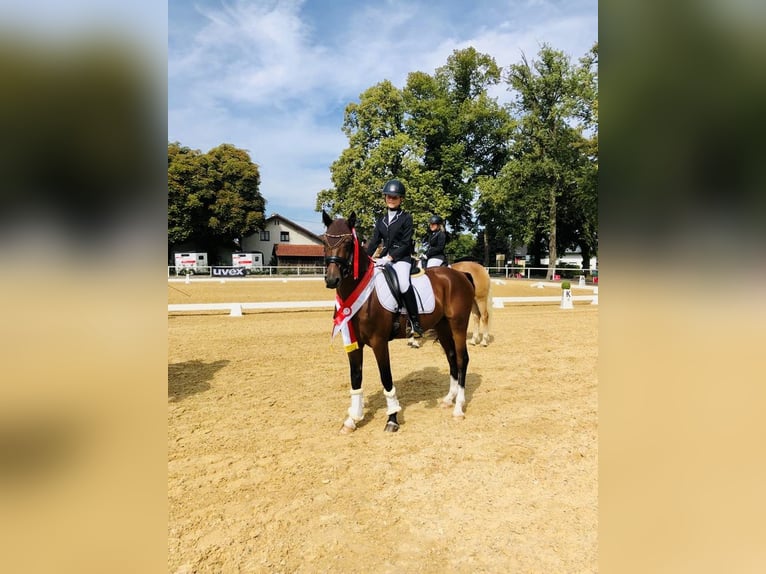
(213, 198)
(547, 189)
(436, 135)
(379, 149)
(463, 131)
(528, 171)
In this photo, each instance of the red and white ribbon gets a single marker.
(346, 309)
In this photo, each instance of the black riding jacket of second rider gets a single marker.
(436, 240)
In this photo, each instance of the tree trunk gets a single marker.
(585, 250)
(552, 253)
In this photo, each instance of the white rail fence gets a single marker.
(507, 272)
(236, 309)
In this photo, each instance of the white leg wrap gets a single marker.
(356, 410)
(453, 387)
(459, 402)
(392, 403)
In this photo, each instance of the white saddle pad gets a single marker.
(424, 293)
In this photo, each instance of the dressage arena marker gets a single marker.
(566, 299)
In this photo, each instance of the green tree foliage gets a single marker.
(213, 198)
(547, 188)
(460, 128)
(437, 135)
(462, 245)
(379, 149)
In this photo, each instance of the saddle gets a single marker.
(393, 283)
(399, 325)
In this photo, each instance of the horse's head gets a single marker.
(340, 245)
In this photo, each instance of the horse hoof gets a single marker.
(345, 430)
(391, 427)
(446, 405)
(484, 344)
(459, 417)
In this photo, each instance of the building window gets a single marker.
(265, 236)
(284, 236)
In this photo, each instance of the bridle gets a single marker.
(344, 263)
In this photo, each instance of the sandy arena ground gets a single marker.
(259, 480)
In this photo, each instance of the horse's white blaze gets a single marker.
(392, 403)
(356, 410)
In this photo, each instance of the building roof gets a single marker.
(294, 225)
(287, 250)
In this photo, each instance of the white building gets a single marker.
(283, 242)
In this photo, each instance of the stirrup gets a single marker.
(416, 333)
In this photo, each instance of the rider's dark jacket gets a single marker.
(436, 241)
(395, 236)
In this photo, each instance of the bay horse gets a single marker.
(363, 321)
(482, 303)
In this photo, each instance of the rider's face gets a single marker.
(393, 200)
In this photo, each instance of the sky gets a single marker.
(273, 77)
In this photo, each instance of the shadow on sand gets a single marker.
(191, 377)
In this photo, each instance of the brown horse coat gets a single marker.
(346, 265)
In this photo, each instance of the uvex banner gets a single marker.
(228, 271)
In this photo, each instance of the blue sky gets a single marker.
(273, 77)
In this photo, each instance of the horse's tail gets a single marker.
(474, 304)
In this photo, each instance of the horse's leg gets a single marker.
(476, 320)
(484, 314)
(448, 344)
(356, 410)
(454, 345)
(413, 342)
(389, 391)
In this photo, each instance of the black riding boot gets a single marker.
(412, 310)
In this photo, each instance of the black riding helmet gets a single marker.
(436, 219)
(394, 187)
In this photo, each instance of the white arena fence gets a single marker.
(507, 272)
(236, 309)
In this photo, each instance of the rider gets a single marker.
(436, 239)
(394, 230)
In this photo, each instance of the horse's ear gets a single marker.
(352, 220)
(326, 219)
